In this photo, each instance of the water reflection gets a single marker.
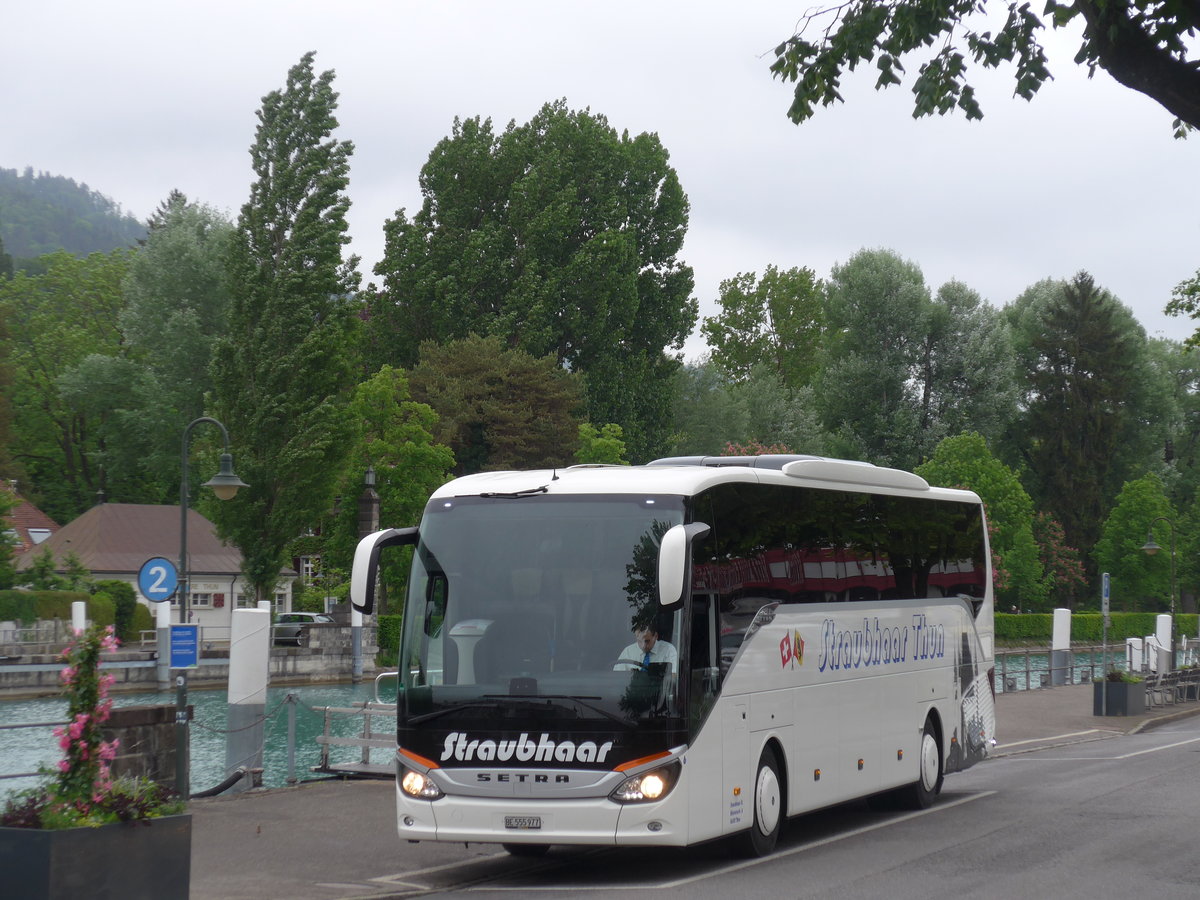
(25, 749)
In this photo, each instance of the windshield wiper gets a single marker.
(515, 495)
(583, 701)
(438, 713)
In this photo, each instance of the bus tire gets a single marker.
(922, 792)
(766, 803)
(526, 850)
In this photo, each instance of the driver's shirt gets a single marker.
(661, 652)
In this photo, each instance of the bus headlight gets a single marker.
(647, 787)
(418, 786)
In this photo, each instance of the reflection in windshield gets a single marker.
(521, 607)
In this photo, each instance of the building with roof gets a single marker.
(30, 525)
(113, 540)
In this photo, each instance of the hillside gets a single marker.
(41, 213)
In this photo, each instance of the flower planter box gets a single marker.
(122, 861)
(1124, 698)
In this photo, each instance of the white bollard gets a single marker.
(356, 660)
(1133, 655)
(1162, 631)
(1060, 647)
(162, 628)
(78, 615)
(249, 665)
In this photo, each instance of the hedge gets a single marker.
(27, 607)
(388, 636)
(1086, 628)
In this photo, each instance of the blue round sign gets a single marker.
(157, 579)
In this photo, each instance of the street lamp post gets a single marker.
(225, 485)
(1150, 548)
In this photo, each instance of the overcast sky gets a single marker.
(136, 97)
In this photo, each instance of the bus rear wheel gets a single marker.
(526, 850)
(922, 792)
(767, 806)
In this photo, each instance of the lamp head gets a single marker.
(225, 483)
(1150, 548)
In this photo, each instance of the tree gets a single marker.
(967, 367)
(1185, 301)
(56, 321)
(177, 301)
(6, 263)
(1138, 578)
(603, 445)
(498, 408)
(775, 320)
(1092, 412)
(877, 313)
(8, 565)
(395, 441)
(1144, 44)
(964, 461)
(562, 238)
(283, 372)
(1065, 576)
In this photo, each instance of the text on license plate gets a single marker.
(523, 822)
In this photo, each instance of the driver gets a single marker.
(646, 649)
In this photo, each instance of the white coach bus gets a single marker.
(822, 630)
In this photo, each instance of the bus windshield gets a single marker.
(532, 609)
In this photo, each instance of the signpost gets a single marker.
(185, 646)
(1105, 593)
(158, 579)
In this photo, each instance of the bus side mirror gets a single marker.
(366, 564)
(674, 551)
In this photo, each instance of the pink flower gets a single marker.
(64, 765)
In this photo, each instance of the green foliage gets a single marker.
(394, 441)
(143, 620)
(1138, 579)
(498, 408)
(283, 372)
(176, 304)
(1143, 44)
(1092, 405)
(41, 574)
(44, 213)
(389, 633)
(604, 445)
(560, 237)
(1065, 576)
(1086, 628)
(57, 323)
(125, 605)
(1185, 301)
(8, 565)
(965, 461)
(777, 320)
(18, 606)
(901, 369)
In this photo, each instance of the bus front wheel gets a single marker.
(922, 792)
(767, 806)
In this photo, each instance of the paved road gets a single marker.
(1071, 802)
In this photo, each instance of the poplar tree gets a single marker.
(284, 369)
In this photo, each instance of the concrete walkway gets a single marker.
(337, 839)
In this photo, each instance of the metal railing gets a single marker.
(27, 725)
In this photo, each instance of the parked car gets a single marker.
(292, 628)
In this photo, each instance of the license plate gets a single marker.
(523, 822)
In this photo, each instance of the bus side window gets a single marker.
(705, 673)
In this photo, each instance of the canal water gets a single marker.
(27, 749)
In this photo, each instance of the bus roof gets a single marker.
(687, 476)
